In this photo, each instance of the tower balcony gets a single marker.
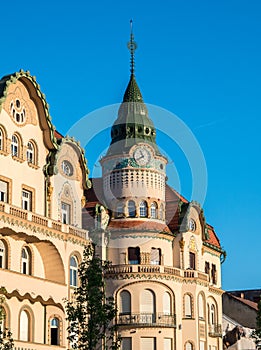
(147, 320)
(125, 270)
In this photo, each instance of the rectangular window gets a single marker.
(26, 200)
(167, 344)
(3, 191)
(214, 274)
(155, 256)
(192, 261)
(126, 343)
(66, 211)
(148, 343)
(201, 345)
(134, 255)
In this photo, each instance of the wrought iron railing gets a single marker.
(147, 319)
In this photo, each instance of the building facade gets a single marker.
(165, 274)
(42, 181)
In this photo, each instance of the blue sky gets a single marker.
(197, 59)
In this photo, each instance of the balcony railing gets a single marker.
(215, 330)
(147, 320)
(42, 221)
(158, 269)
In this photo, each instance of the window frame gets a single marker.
(143, 209)
(73, 271)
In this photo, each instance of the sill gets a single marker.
(18, 159)
(3, 153)
(32, 165)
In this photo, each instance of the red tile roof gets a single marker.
(132, 224)
(250, 303)
(57, 134)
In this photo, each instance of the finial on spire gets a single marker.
(132, 46)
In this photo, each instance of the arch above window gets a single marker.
(201, 308)
(153, 210)
(15, 147)
(188, 306)
(189, 346)
(54, 331)
(3, 255)
(24, 326)
(31, 153)
(166, 303)
(26, 267)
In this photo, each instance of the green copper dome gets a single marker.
(133, 124)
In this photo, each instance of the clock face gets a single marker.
(67, 168)
(142, 155)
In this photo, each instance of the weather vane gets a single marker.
(132, 46)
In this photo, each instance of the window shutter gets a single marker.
(125, 302)
(147, 343)
(126, 344)
(166, 304)
(167, 344)
(147, 302)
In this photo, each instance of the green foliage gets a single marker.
(256, 335)
(91, 313)
(6, 340)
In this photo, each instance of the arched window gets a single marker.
(120, 210)
(131, 209)
(15, 146)
(30, 153)
(189, 346)
(73, 271)
(26, 261)
(3, 255)
(1, 140)
(161, 212)
(212, 318)
(143, 209)
(166, 303)
(125, 302)
(153, 210)
(155, 256)
(24, 326)
(188, 306)
(201, 307)
(147, 306)
(3, 319)
(55, 330)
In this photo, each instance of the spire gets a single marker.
(132, 46)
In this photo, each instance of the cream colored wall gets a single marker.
(24, 174)
(68, 189)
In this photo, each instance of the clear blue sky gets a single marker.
(198, 59)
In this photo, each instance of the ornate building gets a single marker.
(42, 181)
(165, 274)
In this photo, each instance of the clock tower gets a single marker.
(134, 170)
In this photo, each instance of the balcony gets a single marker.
(147, 320)
(152, 269)
(41, 222)
(215, 330)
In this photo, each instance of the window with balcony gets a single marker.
(3, 191)
(66, 213)
(166, 303)
(73, 271)
(192, 261)
(54, 331)
(155, 256)
(125, 303)
(147, 307)
(134, 255)
(27, 200)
